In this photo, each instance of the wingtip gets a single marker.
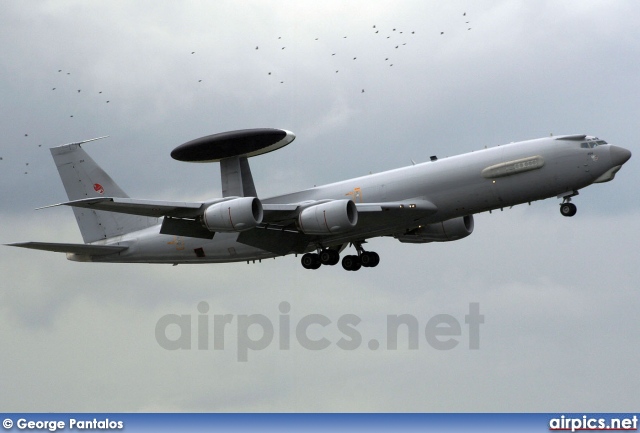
(48, 206)
(77, 143)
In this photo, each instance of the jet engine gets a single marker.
(235, 215)
(445, 231)
(335, 216)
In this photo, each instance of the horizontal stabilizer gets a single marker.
(85, 249)
(149, 208)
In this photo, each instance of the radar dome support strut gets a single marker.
(235, 175)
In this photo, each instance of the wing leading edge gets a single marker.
(150, 208)
(273, 212)
(83, 249)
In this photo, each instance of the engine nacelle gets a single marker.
(235, 215)
(327, 218)
(445, 231)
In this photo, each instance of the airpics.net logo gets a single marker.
(255, 332)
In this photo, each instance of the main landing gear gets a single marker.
(330, 257)
(325, 257)
(366, 259)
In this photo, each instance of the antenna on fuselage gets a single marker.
(232, 149)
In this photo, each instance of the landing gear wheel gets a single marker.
(369, 259)
(351, 263)
(335, 257)
(310, 261)
(329, 257)
(568, 209)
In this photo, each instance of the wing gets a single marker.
(283, 213)
(422, 207)
(86, 249)
(368, 213)
(279, 233)
(149, 208)
(180, 218)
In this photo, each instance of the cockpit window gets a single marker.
(592, 142)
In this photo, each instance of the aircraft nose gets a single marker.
(619, 155)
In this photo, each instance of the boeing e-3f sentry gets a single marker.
(428, 202)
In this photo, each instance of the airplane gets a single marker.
(432, 201)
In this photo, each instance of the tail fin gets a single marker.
(83, 178)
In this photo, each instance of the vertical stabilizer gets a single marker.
(83, 178)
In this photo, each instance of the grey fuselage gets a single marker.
(460, 185)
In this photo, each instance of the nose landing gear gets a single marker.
(567, 208)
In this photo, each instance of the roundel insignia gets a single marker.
(98, 188)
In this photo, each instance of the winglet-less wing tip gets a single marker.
(81, 142)
(82, 249)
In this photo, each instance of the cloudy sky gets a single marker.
(559, 295)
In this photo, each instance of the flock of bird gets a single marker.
(62, 87)
(79, 90)
(397, 39)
